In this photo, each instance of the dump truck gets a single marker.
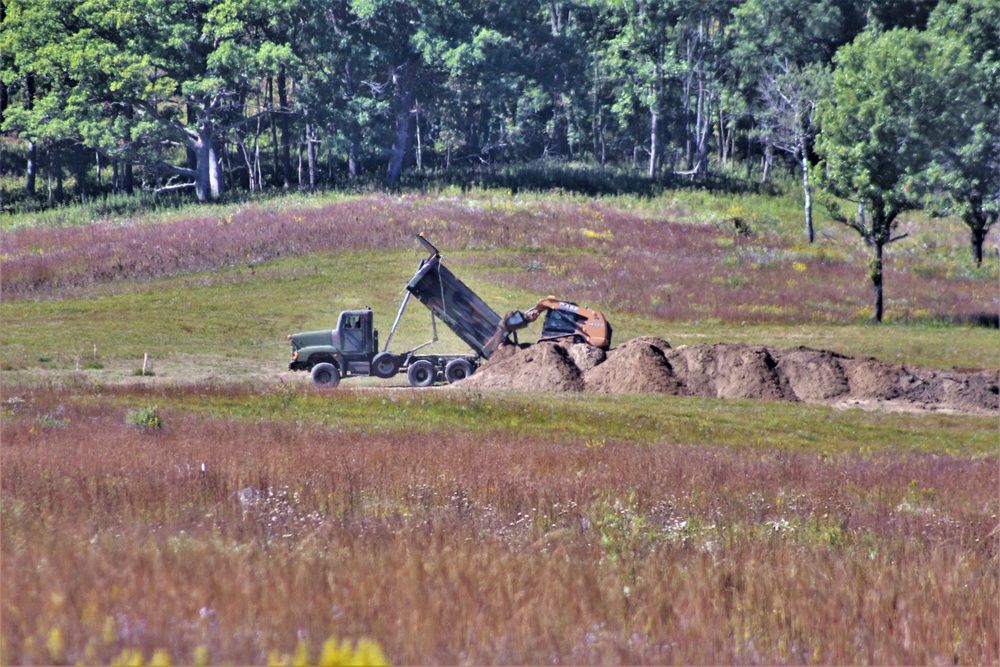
(351, 349)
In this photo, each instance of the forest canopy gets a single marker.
(209, 96)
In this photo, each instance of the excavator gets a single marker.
(564, 321)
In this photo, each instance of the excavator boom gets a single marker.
(564, 321)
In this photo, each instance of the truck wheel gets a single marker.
(385, 365)
(457, 369)
(422, 373)
(325, 376)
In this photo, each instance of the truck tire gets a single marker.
(421, 373)
(385, 365)
(325, 376)
(457, 369)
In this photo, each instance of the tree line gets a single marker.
(891, 104)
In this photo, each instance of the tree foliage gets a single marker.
(966, 169)
(896, 98)
(213, 94)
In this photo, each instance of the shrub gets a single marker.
(145, 418)
(47, 421)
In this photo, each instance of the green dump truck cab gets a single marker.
(350, 346)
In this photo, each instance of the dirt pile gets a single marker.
(543, 367)
(730, 371)
(640, 366)
(648, 365)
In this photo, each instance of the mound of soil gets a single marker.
(648, 365)
(540, 367)
(923, 388)
(729, 371)
(584, 356)
(878, 380)
(639, 366)
(812, 375)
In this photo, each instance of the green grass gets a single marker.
(577, 420)
(236, 314)
(240, 314)
(145, 208)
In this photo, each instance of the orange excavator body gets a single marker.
(564, 321)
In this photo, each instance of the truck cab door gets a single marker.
(352, 333)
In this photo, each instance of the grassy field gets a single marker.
(223, 511)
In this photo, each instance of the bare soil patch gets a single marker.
(649, 365)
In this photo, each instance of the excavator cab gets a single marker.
(560, 324)
(564, 321)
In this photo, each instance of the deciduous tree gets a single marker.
(895, 98)
(967, 167)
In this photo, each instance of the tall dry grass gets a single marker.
(245, 537)
(636, 263)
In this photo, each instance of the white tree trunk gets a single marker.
(807, 194)
(653, 143)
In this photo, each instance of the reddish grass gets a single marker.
(608, 259)
(501, 548)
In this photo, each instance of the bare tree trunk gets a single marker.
(258, 162)
(55, 163)
(560, 131)
(653, 144)
(978, 237)
(286, 158)
(979, 225)
(704, 129)
(404, 79)
(208, 179)
(558, 20)
(471, 133)
(128, 176)
(420, 148)
(311, 142)
(32, 167)
(128, 179)
(298, 158)
(595, 112)
(806, 193)
(876, 278)
(80, 162)
(246, 168)
(32, 175)
(216, 178)
(192, 121)
(276, 168)
(329, 164)
(354, 153)
(697, 130)
(723, 138)
(686, 122)
(4, 98)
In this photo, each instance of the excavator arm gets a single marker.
(564, 320)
